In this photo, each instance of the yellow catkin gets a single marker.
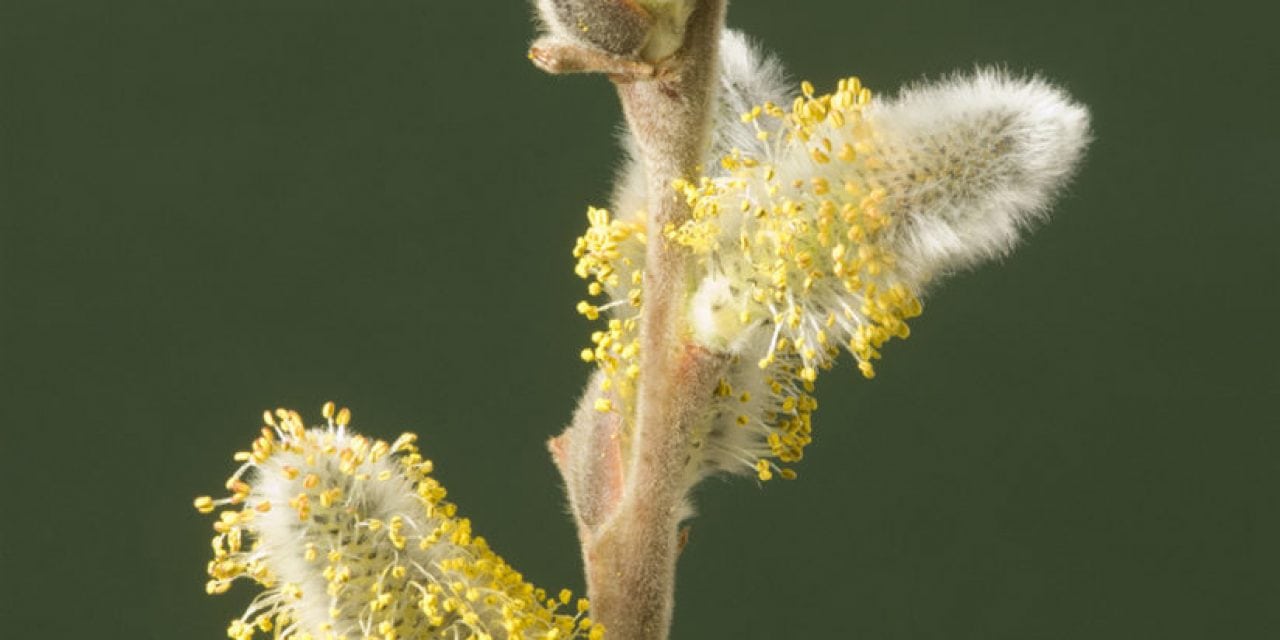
(816, 248)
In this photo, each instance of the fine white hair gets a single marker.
(973, 160)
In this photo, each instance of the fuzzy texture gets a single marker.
(972, 162)
(749, 77)
(857, 206)
(352, 538)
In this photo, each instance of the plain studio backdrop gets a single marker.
(212, 207)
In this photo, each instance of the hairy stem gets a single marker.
(631, 563)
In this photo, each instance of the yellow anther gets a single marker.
(330, 497)
(589, 310)
(763, 471)
(404, 442)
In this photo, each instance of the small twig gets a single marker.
(558, 57)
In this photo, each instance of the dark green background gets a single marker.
(211, 207)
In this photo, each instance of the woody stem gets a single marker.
(631, 562)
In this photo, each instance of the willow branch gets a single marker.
(630, 547)
(631, 567)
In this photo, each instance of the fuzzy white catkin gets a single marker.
(818, 229)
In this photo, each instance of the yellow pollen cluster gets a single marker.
(810, 242)
(352, 538)
(781, 417)
(806, 235)
(610, 256)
